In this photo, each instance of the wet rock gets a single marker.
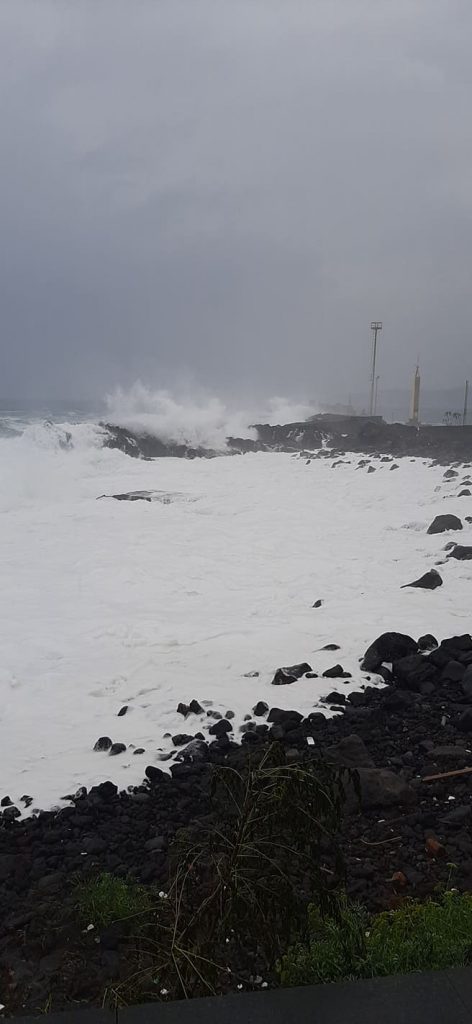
(461, 551)
(154, 774)
(260, 709)
(123, 711)
(194, 708)
(10, 813)
(427, 642)
(317, 604)
(411, 672)
(465, 493)
(450, 474)
(334, 698)
(139, 750)
(251, 675)
(103, 743)
(453, 672)
(221, 727)
(284, 676)
(117, 748)
(6, 802)
(395, 466)
(443, 523)
(429, 581)
(311, 675)
(388, 647)
(336, 672)
(181, 738)
(331, 647)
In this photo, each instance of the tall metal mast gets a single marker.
(375, 327)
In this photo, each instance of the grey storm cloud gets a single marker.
(233, 189)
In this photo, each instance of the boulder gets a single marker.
(287, 719)
(429, 581)
(388, 647)
(464, 723)
(381, 788)
(103, 743)
(317, 604)
(411, 672)
(123, 711)
(336, 672)
(117, 748)
(465, 493)
(284, 676)
(260, 709)
(181, 739)
(462, 552)
(450, 474)
(220, 728)
(453, 672)
(351, 752)
(427, 642)
(446, 522)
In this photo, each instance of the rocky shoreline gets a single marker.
(410, 834)
(331, 435)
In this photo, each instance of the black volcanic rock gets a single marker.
(442, 523)
(429, 581)
(427, 642)
(284, 676)
(461, 552)
(388, 647)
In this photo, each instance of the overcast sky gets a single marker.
(234, 189)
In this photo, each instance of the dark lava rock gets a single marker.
(311, 675)
(221, 727)
(336, 672)
(468, 519)
(181, 739)
(380, 788)
(6, 802)
(155, 845)
(105, 791)
(251, 675)
(139, 750)
(429, 581)
(388, 647)
(464, 723)
(351, 752)
(154, 774)
(427, 642)
(449, 755)
(450, 473)
(331, 647)
(453, 672)
(260, 709)
(457, 817)
(104, 743)
(458, 645)
(194, 708)
(465, 493)
(461, 552)
(287, 719)
(412, 671)
(10, 813)
(123, 711)
(117, 748)
(371, 469)
(357, 699)
(334, 698)
(229, 715)
(442, 523)
(284, 676)
(395, 466)
(317, 604)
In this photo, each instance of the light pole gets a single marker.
(376, 393)
(375, 327)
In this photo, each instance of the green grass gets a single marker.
(416, 937)
(106, 898)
